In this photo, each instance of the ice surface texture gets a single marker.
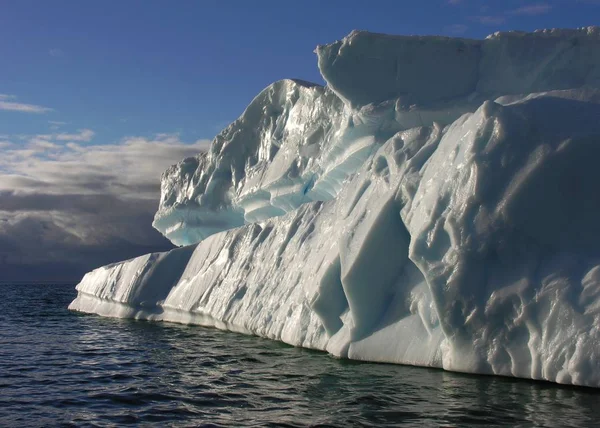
(407, 212)
(297, 142)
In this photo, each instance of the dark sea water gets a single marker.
(62, 368)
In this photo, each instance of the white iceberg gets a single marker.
(406, 213)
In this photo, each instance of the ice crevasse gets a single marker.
(407, 212)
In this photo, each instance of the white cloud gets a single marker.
(130, 168)
(41, 144)
(78, 206)
(488, 19)
(83, 135)
(532, 9)
(56, 52)
(55, 125)
(7, 103)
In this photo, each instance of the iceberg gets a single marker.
(405, 212)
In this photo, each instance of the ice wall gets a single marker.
(297, 142)
(428, 71)
(470, 245)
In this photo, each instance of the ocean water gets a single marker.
(63, 368)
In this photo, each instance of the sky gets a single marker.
(98, 98)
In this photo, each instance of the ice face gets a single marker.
(259, 167)
(470, 245)
(297, 142)
(427, 71)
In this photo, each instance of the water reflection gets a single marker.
(91, 370)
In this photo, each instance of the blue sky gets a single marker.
(189, 67)
(98, 98)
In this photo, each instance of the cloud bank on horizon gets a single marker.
(68, 205)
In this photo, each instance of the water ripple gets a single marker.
(57, 368)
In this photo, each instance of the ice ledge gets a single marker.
(365, 68)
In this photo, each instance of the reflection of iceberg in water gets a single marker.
(470, 400)
(207, 376)
(399, 214)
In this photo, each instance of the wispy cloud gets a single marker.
(55, 125)
(8, 103)
(55, 52)
(62, 201)
(532, 9)
(41, 144)
(61, 162)
(454, 2)
(488, 19)
(83, 135)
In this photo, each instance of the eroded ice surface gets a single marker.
(467, 241)
(297, 142)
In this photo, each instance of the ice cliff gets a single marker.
(435, 204)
